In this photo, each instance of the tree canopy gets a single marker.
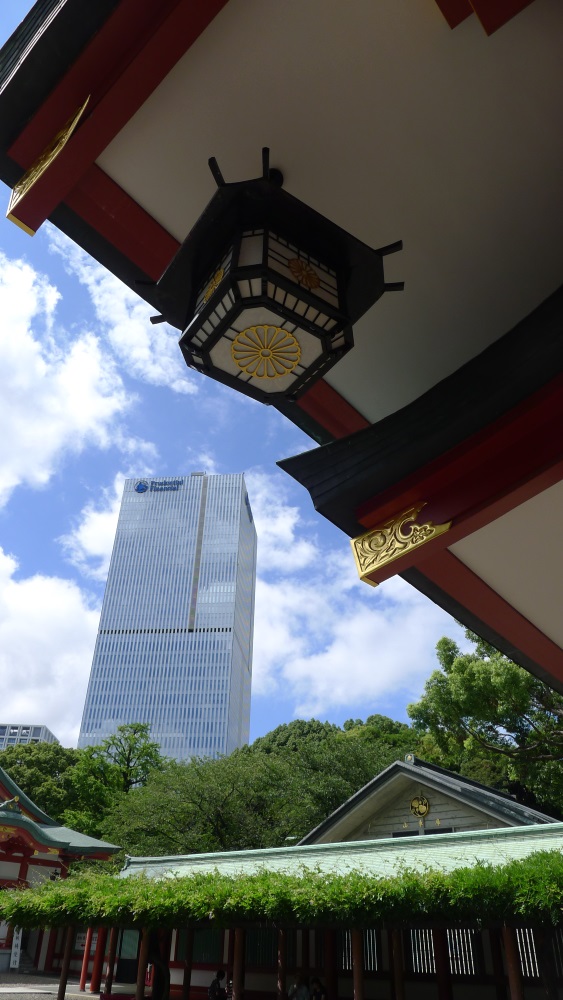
(491, 715)
(79, 788)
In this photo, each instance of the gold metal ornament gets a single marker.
(304, 273)
(266, 351)
(43, 162)
(213, 284)
(393, 539)
(420, 806)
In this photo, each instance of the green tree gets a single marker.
(44, 772)
(266, 795)
(132, 754)
(80, 787)
(290, 735)
(484, 706)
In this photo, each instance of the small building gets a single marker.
(12, 733)
(34, 848)
(414, 798)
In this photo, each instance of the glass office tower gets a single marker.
(174, 646)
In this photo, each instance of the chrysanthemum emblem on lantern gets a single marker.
(266, 290)
(266, 351)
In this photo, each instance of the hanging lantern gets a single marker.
(266, 290)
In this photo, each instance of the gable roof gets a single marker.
(499, 805)
(17, 810)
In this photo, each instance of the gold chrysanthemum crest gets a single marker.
(266, 351)
(213, 284)
(304, 273)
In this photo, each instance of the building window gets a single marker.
(261, 947)
(208, 946)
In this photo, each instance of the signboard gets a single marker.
(16, 948)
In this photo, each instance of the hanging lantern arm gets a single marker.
(217, 175)
(390, 248)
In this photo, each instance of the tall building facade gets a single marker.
(174, 646)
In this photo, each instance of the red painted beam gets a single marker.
(325, 405)
(485, 476)
(464, 586)
(120, 220)
(493, 14)
(120, 68)
(455, 11)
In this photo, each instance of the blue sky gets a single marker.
(92, 393)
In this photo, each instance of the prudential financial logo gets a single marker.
(142, 486)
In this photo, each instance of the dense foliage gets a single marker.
(528, 891)
(493, 721)
(266, 795)
(79, 788)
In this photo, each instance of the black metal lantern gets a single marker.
(266, 290)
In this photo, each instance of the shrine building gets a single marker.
(34, 848)
(412, 818)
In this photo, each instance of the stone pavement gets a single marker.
(18, 986)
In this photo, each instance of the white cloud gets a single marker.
(276, 521)
(322, 639)
(47, 636)
(147, 352)
(88, 546)
(57, 396)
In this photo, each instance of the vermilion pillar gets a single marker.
(86, 960)
(282, 963)
(358, 963)
(442, 959)
(330, 964)
(238, 965)
(98, 966)
(396, 964)
(188, 962)
(113, 936)
(143, 962)
(69, 939)
(513, 963)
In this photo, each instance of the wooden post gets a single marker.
(442, 960)
(238, 965)
(113, 936)
(69, 941)
(331, 965)
(188, 963)
(142, 963)
(282, 963)
(86, 960)
(396, 963)
(358, 963)
(498, 967)
(543, 940)
(98, 966)
(230, 955)
(513, 967)
(305, 956)
(50, 949)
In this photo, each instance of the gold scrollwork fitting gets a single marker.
(391, 540)
(266, 351)
(48, 156)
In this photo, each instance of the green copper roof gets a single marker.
(24, 800)
(444, 852)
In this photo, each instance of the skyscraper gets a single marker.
(174, 646)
